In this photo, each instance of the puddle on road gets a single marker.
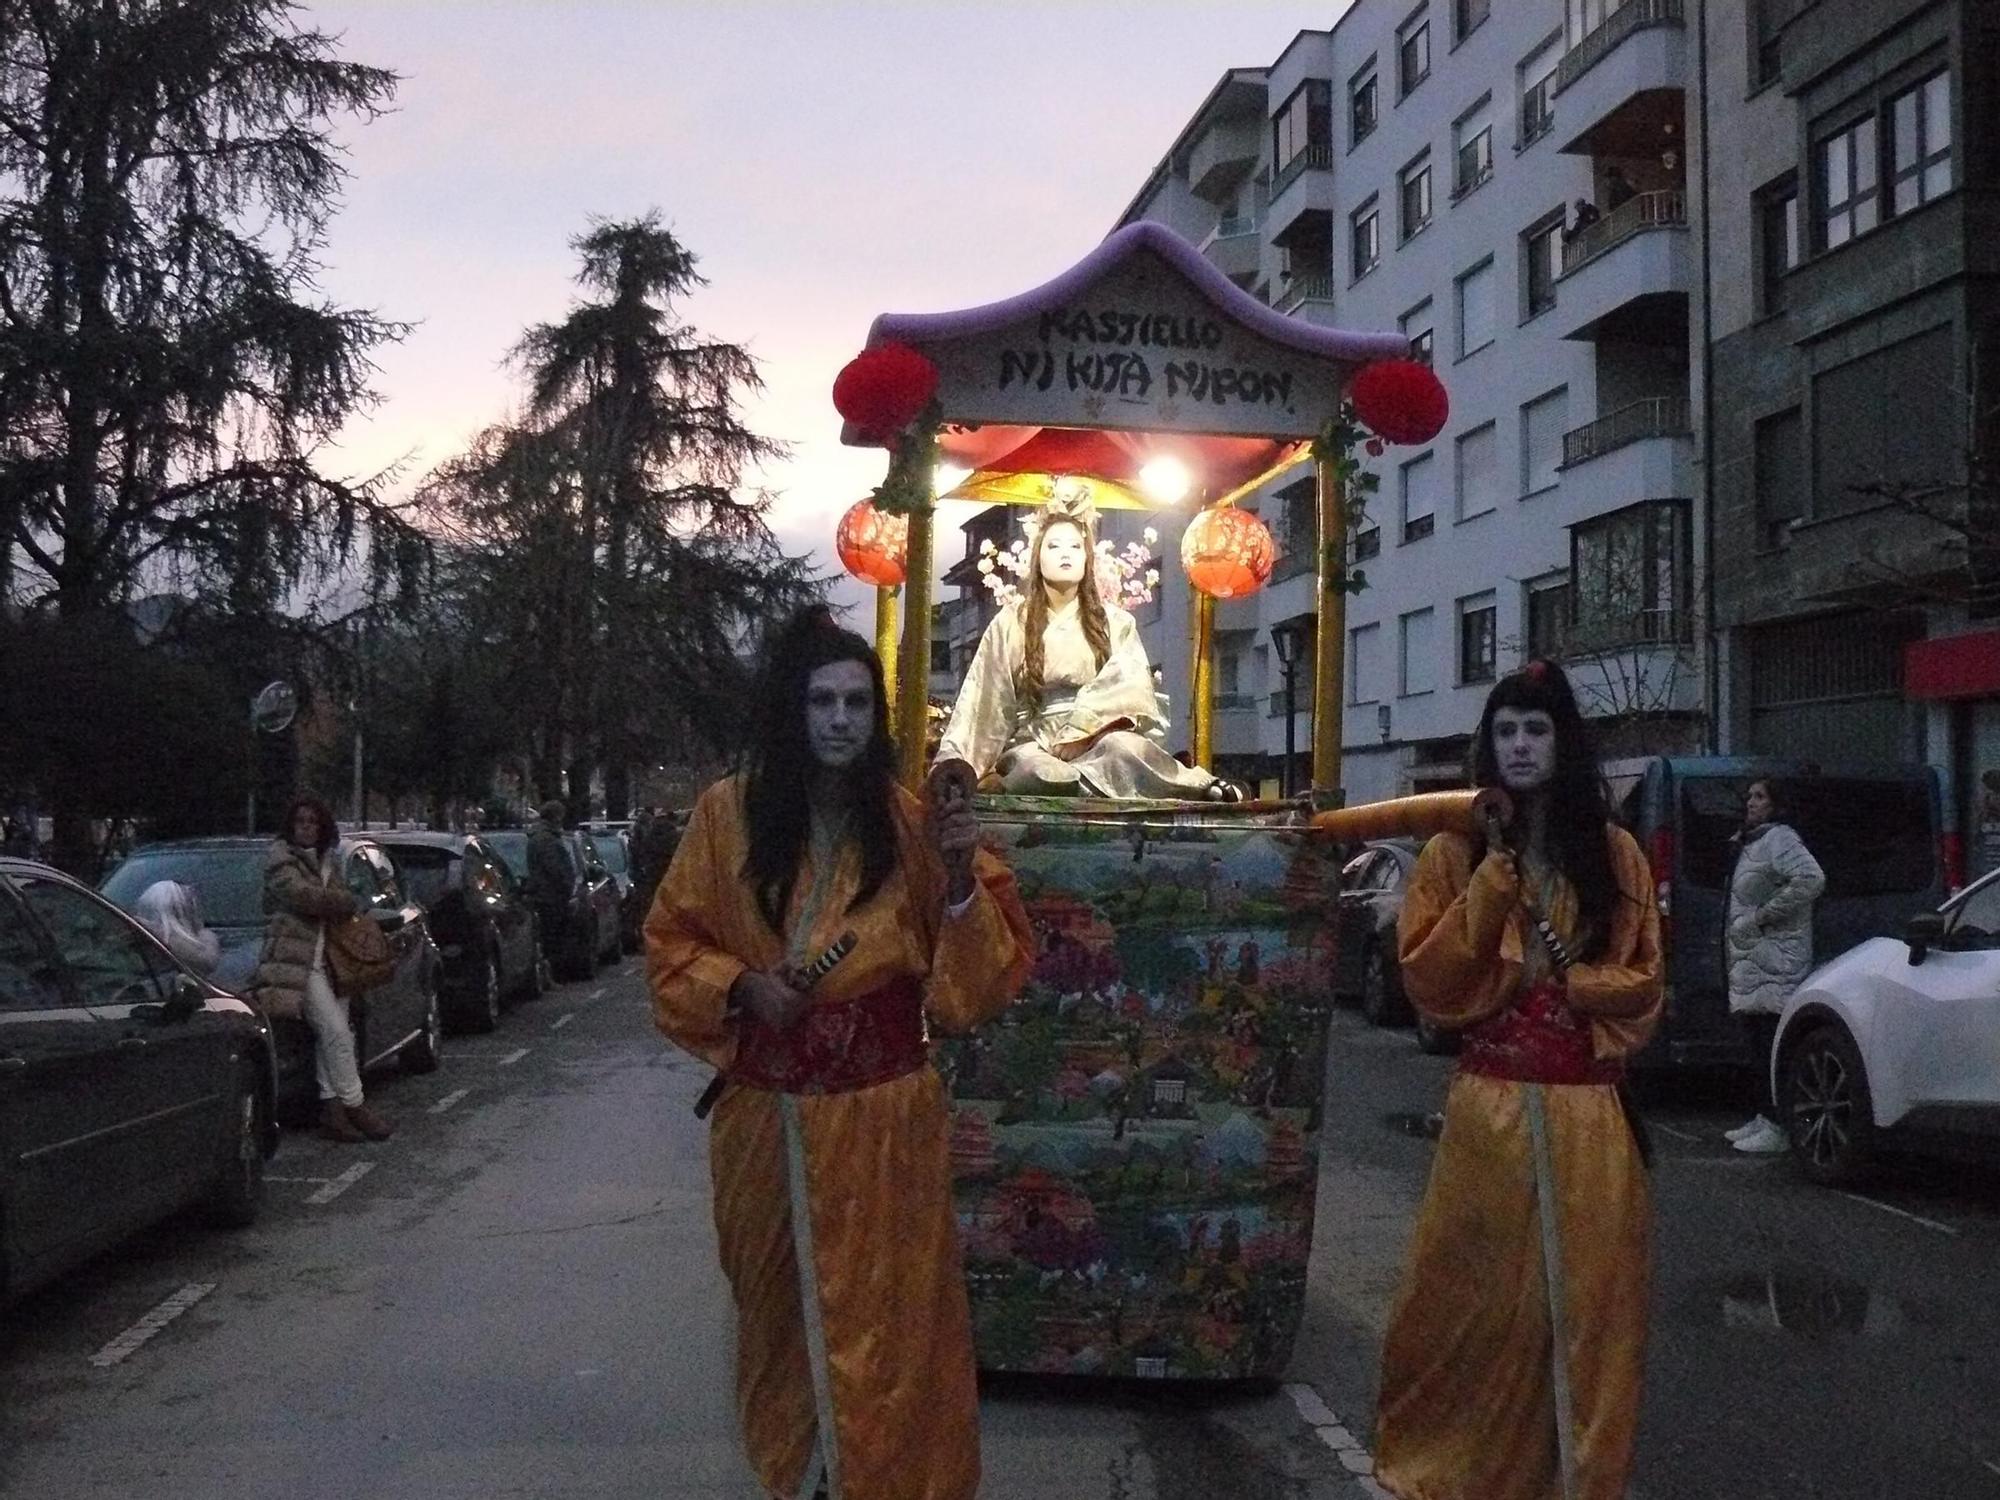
(1424, 1127)
(1809, 1303)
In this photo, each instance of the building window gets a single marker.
(1781, 479)
(1364, 644)
(1543, 422)
(1304, 120)
(1366, 240)
(1367, 544)
(1778, 247)
(1413, 54)
(1920, 144)
(1472, 149)
(1535, 79)
(1416, 327)
(940, 656)
(1767, 21)
(1419, 498)
(1848, 190)
(1541, 261)
(1885, 421)
(1630, 575)
(1416, 195)
(1299, 541)
(1478, 638)
(1419, 655)
(1362, 109)
(1468, 16)
(1475, 309)
(1478, 471)
(1548, 621)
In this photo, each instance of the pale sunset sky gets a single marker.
(826, 162)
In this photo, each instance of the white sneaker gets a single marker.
(1748, 1127)
(1767, 1141)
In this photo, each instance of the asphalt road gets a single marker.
(518, 1296)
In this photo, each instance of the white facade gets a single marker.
(1568, 380)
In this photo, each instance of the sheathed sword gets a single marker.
(809, 976)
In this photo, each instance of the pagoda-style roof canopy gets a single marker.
(1141, 349)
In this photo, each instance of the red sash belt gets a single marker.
(1538, 1039)
(838, 1046)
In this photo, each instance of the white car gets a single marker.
(1897, 1041)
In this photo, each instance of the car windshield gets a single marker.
(511, 845)
(230, 882)
(427, 870)
(1871, 837)
(610, 849)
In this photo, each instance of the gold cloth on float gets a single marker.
(1469, 1401)
(992, 729)
(884, 1301)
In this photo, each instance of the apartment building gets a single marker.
(1505, 184)
(1852, 310)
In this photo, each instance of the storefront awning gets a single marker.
(1953, 666)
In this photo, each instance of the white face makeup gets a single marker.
(840, 713)
(1062, 554)
(1524, 747)
(1756, 805)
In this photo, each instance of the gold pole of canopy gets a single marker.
(913, 659)
(1330, 658)
(885, 646)
(1204, 681)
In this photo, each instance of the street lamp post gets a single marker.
(1285, 641)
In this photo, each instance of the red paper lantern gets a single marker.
(872, 546)
(1227, 553)
(1401, 400)
(883, 390)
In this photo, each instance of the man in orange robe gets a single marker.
(830, 1143)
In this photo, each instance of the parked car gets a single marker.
(590, 926)
(401, 1020)
(1372, 884)
(1881, 833)
(485, 930)
(129, 1087)
(1897, 1042)
(613, 842)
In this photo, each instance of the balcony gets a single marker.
(1302, 201)
(1301, 290)
(1641, 50)
(1629, 274)
(1235, 247)
(1237, 729)
(1223, 155)
(1643, 449)
(1304, 704)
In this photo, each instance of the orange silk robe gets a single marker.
(1467, 1407)
(886, 1279)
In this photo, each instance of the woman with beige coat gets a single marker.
(303, 895)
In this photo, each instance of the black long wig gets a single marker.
(778, 766)
(1579, 806)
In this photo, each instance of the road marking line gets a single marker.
(598, 993)
(1679, 1135)
(1902, 1213)
(561, 1021)
(342, 1183)
(151, 1324)
(513, 1057)
(1991, 1465)
(449, 1100)
(269, 1178)
(1315, 1411)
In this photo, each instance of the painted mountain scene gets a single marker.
(1135, 1141)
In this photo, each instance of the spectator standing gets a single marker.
(551, 876)
(1769, 941)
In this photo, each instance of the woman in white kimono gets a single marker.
(1060, 698)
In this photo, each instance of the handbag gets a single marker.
(358, 955)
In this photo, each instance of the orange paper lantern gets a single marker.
(872, 546)
(1227, 553)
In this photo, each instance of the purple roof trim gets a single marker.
(1225, 295)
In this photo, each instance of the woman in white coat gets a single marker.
(1769, 941)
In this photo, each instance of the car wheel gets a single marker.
(424, 1051)
(239, 1183)
(1829, 1116)
(1380, 1003)
(482, 1012)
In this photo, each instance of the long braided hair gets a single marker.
(1035, 614)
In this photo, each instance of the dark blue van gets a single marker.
(1881, 833)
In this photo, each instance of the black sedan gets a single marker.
(1372, 885)
(402, 1020)
(129, 1088)
(479, 918)
(590, 920)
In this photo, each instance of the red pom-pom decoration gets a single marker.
(1401, 400)
(883, 390)
(1227, 553)
(872, 546)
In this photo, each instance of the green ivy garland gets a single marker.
(1335, 446)
(909, 486)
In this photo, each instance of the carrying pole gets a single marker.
(914, 657)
